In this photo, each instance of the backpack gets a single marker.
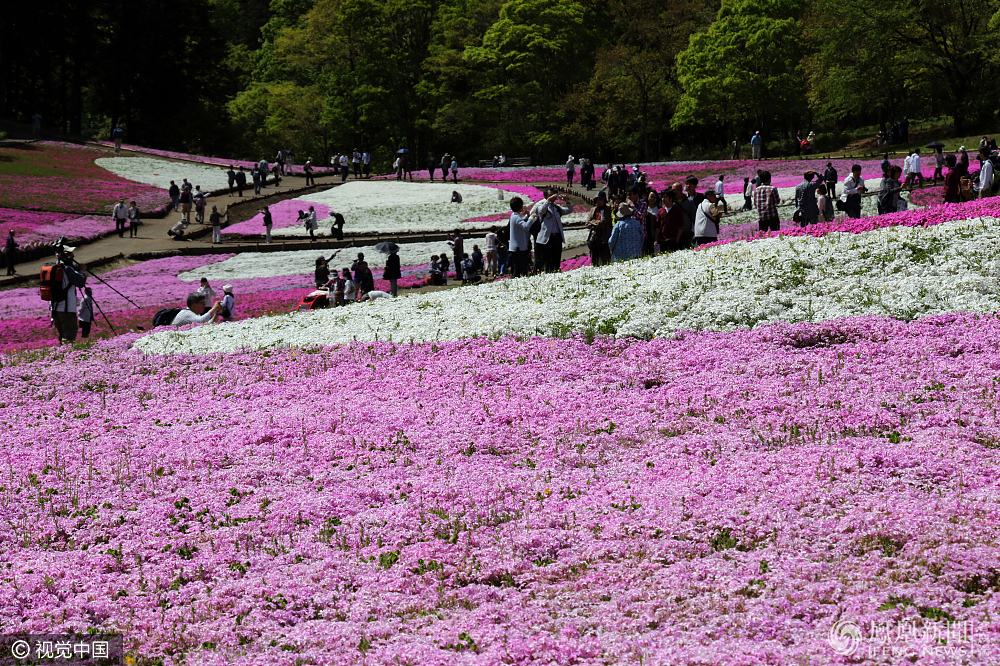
(51, 283)
(165, 317)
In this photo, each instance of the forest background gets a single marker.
(621, 80)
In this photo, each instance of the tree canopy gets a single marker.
(616, 79)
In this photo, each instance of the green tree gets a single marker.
(534, 54)
(744, 71)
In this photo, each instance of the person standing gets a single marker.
(550, 237)
(63, 307)
(268, 223)
(824, 203)
(366, 163)
(241, 182)
(986, 174)
(953, 181)
(344, 168)
(492, 247)
(938, 165)
(520, 247)
(10, 252)
(671, 222)
(307, 169)
(392, 272)
(133, 221)
(458, 247)
(765, 200)
(175, 194)
(904, 130)
(720, 192)
(570, 170)
(735, 145)
(279, 161)
(916, 171)
(854, 187)
(706, 222)
(231, 179)
(907, 178)
(755, 145)
(356, 162)
(830, 176)
(311, 223)
(443, 165)
(36, 125)
(626, 237)
(276, 172)
(599, 223)
(117, 134)
(85, 312)
(888, 196)
(216, 219)
(430, 165)
(805, 199)
(263, 169)
(255, 175)
(228, 303)
(199, 204)
(185, 199)
(120, 215)
(454, 170)
(321, 274)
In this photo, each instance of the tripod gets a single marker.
(108, 321)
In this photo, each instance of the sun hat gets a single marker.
(624, 210)
(69, 248)
(961, 148)
(227, 288)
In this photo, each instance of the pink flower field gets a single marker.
(37, 227)
(708, 499)
(65, 179)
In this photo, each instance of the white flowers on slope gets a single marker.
(160, 172)
(388, 207)
(897, 272)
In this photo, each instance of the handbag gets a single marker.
(797, 216)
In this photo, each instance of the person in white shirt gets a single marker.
(854, 187)
(120, 215)
(366, 163)
(196, 311)
(720, 192)
(206, 290)
(986, 175)
(907, 178)
(492, 247)
(915, 173)
(344, 170)
(177, 231)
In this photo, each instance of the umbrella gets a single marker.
(402, 150)
(935, 144)
(387, 247)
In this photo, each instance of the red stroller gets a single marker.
(315, 300)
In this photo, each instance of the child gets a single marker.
(86, 312)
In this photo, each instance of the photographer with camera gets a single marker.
(59, 283)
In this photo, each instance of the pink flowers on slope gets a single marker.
(721, 498)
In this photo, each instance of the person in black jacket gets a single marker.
(241, 181)
(392, 273)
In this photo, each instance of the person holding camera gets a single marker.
(196, 311)
(63, 307)
(549, 242)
